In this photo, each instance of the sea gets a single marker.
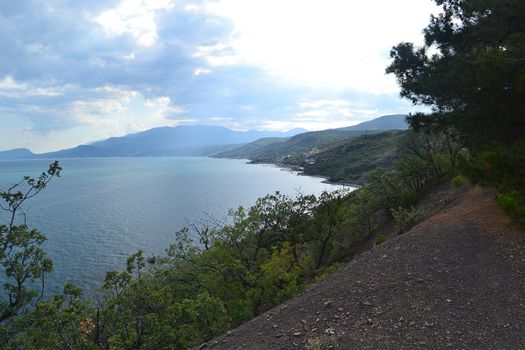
(101, 210)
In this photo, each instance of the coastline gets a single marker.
(300, 172)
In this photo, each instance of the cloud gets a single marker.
(10, 88)
(218, 55)
(137, 18)
(340, 44)
(202, 71)
(78, 71)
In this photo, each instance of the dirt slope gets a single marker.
(456, 281)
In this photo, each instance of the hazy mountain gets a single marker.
(19, 153)
(164, 141)
(384, 123)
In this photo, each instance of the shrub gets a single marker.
(407, 218)
(380, 239)
(514, 206)
(409, 198)
(459, 181)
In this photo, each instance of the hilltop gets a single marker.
(454, 281)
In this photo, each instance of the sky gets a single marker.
(74, 72)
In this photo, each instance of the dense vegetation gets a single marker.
(351, 161)
(471, 71)
(294, 150)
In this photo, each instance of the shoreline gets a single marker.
(300, 172)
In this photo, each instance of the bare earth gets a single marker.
(455, 281)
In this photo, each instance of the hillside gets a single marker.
(300, 149)
(18, 153)
(292, 150)
(386, 122)
(352, 160)
(454, 281)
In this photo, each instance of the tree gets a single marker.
(22, 259)
(471, 70)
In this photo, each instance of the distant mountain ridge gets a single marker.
(202, 140)
(17, 153)
(163, 141)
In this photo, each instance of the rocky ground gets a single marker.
(455, 281)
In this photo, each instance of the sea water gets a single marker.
(101, 210)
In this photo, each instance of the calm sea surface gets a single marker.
(102, 210)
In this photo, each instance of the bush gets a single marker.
(380, 239)
(500, 166)
(406, 218)
(514, 206)
(409, 198)
(459, 181)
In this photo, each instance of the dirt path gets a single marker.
(456, 281)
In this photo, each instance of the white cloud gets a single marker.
(220, 119)
(137, 18)
(192, 8)
(218, 55)
(11, 88)
(120, 93)
(336, 44)
(201, 71)
(164, 105)
(8, 83)
(97, 107)
(324, 103)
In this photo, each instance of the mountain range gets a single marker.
(294, 150)
(201, 140)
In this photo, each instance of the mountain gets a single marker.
(163, 141)
(296, 149)
(384, 123)
(18, 153)
(351, 161)
(291, 150)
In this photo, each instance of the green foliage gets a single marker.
(380, 239)
(501, 166)
(459, 181)
(65, 322)
(353, 159)
(513, 204)
(483, 43)
(475, 85)
(294, 150)
(407, 218)
(23, 261)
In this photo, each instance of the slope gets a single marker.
(296, 149)
(454, 281)
(386, 122)
(352, 160)
(18, 153)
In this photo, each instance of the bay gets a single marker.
(101, 210)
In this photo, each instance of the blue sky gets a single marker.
(72, 72)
